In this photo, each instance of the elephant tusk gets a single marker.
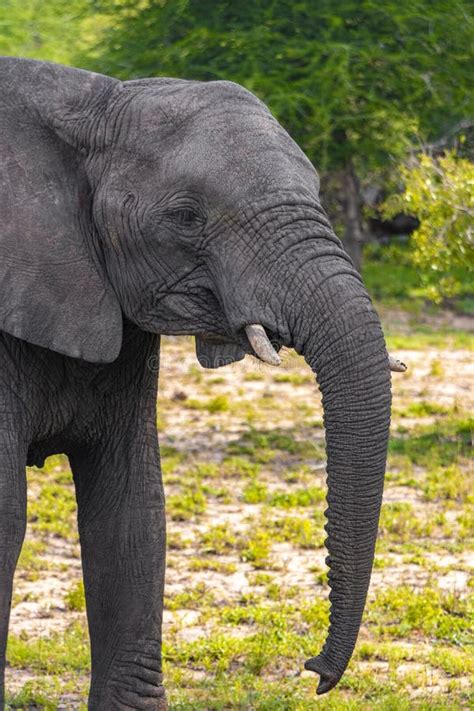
(261, 345)
(396, 365)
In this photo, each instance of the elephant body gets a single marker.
(162, 206)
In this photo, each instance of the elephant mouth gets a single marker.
(216, 351)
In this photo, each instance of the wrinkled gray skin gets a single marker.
(150, 207)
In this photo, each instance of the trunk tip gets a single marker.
(327, 678)
(396, 365)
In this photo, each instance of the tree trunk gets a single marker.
(353, 234)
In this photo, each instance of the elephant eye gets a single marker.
(186, 218)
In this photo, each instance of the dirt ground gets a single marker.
(204, 419)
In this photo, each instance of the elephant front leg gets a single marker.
(122, 532)
(12, 532)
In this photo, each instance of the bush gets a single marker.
(440, 192)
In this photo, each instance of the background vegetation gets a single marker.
(379, 95)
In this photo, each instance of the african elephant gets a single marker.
(163, 206)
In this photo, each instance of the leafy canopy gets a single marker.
(440, 192)
(55, 31)
(352, 81)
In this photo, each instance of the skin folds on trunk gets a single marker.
(341, 338)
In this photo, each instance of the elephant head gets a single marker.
(186, 208)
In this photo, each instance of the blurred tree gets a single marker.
(440, 192)
(354, 82)
(54, 31)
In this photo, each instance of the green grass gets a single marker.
(53, 512)
(309, 496)
(257, 549)
(293, 378)
(440, 615)
(264, 445)
(452, 483)
(67, 651)
(441, 443)
(45, 694)
(423, 409)
(218, 539)
(389, 281)
(255, 492)
(426, 337)
(195, 598)
(301, 531)
(220, 403)
(393, 280)
(217, 566)
(190, 503)
(31, 562)
(75, 599)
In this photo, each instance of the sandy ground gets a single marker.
(436, 375)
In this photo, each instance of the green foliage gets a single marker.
(440, 192)
(394, 280)
(388, 273)
(52, 31)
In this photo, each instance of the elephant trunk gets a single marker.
(306, 293)
(338, 332)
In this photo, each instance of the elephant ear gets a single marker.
(53, 292)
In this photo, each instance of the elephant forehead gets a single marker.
(244, 154)
(215, 137)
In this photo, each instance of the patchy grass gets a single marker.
(243, 461)
(188, 504)
(67, 651)
(54, 512)
(434, 613)
(75, 599)
(442, 442)
(426, 337)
